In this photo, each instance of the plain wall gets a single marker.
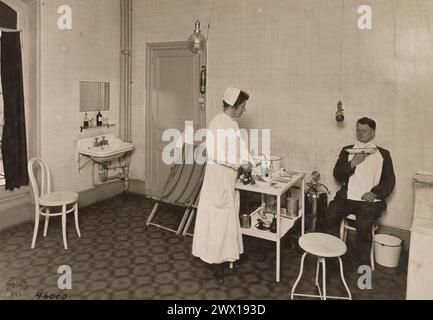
(55, 61)
(90, 51)
(286, 54)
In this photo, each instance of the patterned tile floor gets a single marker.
(118, 257)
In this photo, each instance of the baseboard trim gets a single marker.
(16, 215)
(99, 193)
(19, 208)
(138, 187)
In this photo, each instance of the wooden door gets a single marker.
(174, 97)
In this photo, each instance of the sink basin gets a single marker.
(114, 150)
(108, 153)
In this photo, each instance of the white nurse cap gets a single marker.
(231, 96)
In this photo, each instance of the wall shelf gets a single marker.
(107, 126)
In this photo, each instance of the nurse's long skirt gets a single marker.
(217, 235)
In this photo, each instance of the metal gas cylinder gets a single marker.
(316, 202)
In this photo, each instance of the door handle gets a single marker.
(203, 80)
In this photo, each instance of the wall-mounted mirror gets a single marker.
(94, 96)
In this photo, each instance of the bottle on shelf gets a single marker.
(99, 119)
(273, 226)
(85, 121)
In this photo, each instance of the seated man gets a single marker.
(367, 179)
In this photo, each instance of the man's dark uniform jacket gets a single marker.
(343, 171)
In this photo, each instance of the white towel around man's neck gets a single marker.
(367, 174)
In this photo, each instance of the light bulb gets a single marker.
(339, 116)
(197, 42)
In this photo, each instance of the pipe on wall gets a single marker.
(125, 69)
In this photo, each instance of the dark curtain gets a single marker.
(14, 144)
(8, 16)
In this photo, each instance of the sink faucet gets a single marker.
(102, 142)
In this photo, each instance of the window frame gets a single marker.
(2, 178)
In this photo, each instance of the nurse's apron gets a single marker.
(217, 235)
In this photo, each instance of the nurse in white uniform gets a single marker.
(217, 236)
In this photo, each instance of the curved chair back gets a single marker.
(44, 186)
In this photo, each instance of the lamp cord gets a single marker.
(210, 19)
(341, 50)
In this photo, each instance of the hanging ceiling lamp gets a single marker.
(339, 116)
(197, 42)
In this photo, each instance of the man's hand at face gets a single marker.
(369, 196)
(358, 158)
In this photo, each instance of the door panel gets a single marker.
(174, 99)
(175, 96)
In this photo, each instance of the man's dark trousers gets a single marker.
(366, 214)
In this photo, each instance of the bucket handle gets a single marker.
(387, 245)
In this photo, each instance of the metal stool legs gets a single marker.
(322, 290)
(301, 271)
(344, 280)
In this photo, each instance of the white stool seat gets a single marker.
(322, 245)
(58, 198)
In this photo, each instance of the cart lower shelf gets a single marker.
(286, 223)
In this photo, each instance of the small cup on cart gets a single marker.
(245, 221)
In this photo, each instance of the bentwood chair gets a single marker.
(46, 201)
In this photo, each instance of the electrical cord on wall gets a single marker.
(341, 51)
(209, 19)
